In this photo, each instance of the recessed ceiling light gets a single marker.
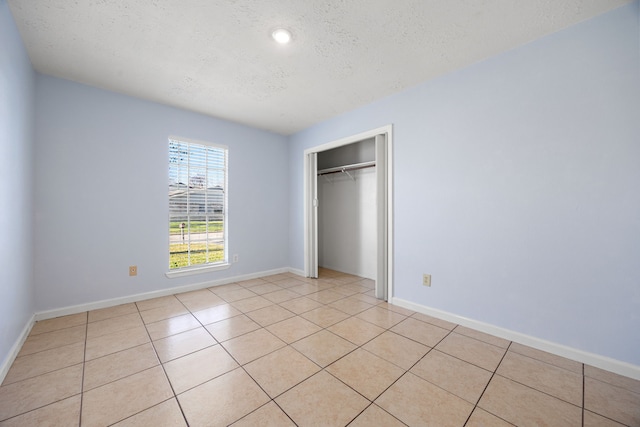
(281, 35)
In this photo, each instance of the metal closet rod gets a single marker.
(346, 168)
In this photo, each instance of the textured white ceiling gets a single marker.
(216, 56)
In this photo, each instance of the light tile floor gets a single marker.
(283, 351)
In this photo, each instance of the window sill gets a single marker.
(190, 271)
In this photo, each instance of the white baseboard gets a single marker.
(49, 314)
(602, 362)
(13, 353)
(296, 271)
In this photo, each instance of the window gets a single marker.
(197, 205)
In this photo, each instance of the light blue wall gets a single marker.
(16, 188)
(101, 194)
(517, 186)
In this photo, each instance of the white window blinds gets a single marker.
(197, 204)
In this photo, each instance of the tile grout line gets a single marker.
(175, 396)
(493, 374)
(84, 364)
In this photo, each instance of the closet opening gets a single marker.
(348, 208)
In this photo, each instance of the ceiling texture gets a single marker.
(216, 57)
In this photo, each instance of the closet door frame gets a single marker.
(385, 256)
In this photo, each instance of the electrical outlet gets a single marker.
(236, 258)
(133, 270)
(426, 279)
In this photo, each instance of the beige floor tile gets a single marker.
(611, 378)
(120, 399)
(348, 290)
(293, 329)
(374, 416)
(481, 418)
(358, 287)
(325, 316)
(543, 356)
(223, 400)
(220, 289)
(350, 306)
(232, 295)
(280, 296)
(58, 323)
(322, 400)
(269, 315)
(33, 393)
(164, 312)
(471, 350)
(325, 297)
(118, 365)
(547, 378)
(55, 339)
(290, 282)
(109, 312)
(367, 298)
(115, 342)
(613, 402)
(196, 368)
(396, 349)
(183, 343)
(490, 339)
(217, 313)
(279, 371)
(424, 333)
(61, 413)
(157, 302)
(323, 347)
(253, 282)
(300, 305)
(381, 317)
(252, 345)
(305, 289)
(356, 330)
(595, 420)
(174, 325)
(455, 376)
(269, 415)
(114, 324)
(417, 402)
(266, 288)
(250, 304)
(366, 373)
(434, 321)
(521, 405)
(233, 327)
(199, 300)
(165, 414)
(395, 308)
(35, 364)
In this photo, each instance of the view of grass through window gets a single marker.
(197, 211)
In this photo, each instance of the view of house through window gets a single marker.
(197, 204)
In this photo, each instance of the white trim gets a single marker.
(49, 314)
(198, 269)
(198, 141)
(602, 362)
(388, 130)
(13, 353)
(296, 271)
(349, 139)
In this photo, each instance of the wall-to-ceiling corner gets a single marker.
(516, 187)
(16, 188)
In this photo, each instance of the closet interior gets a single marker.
(347, 209)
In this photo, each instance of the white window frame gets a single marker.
(208, 267)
